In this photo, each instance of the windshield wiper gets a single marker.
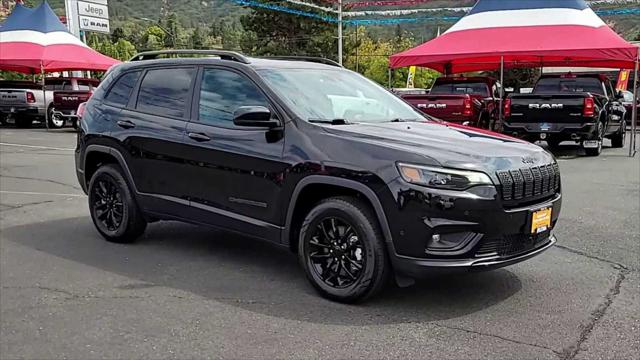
(330, 122)
(405, 120)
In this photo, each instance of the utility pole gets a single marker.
(357, 51)
(340, 32)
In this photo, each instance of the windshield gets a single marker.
(562, 85)
(475, 88)
(327, 94)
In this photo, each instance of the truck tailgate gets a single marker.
(12, 98)
(69, 100)
(552, 108)
(439, 106)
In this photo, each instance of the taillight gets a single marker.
(30, 97)
(506, 111)
(467, 110)
(589, 108)
(81, 109)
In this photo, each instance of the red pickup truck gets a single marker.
(66, 102)
(466, 100)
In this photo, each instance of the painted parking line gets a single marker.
(39, 193)
(37, 147)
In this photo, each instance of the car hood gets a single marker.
(449, 145)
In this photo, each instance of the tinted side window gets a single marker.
(121, 90)
(222, 92)
(165, 91)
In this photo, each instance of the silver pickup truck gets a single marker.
(22, 102)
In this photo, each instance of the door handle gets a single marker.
(199, 137)
(126, 124)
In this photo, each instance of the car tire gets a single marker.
(54, 123)
(113, 208)
(617, 139)
(342, 250)
(598, 150)
(553, 144)
(23, 121)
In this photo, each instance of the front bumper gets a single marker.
(480, 230)
(420, 268)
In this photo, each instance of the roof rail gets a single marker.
(305, 58)
(222, 54)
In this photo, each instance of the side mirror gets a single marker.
(619, 95)
(254, 116)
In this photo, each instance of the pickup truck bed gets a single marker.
(22, 102)
(463, 100)
(581, 108)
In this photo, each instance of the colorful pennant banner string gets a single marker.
(284, 9)
(399, 12)
(391, 21)
(383, 3)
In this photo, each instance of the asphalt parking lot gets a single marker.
(190, 292)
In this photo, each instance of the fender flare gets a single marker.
(116, 154)
(345, 183)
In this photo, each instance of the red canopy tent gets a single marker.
(34, 41)
(523, 33)
(499, 34)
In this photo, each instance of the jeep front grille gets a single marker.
(529, 184)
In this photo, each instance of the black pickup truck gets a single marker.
(583, 108)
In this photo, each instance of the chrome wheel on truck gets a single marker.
(55, 121)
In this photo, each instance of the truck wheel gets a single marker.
(54, 121)
(553, 143)
(597, 150)
(617, 139)
(342, 251)
(3, 119)
(114, 210)
(23, 121)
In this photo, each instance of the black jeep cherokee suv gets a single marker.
(315, 158)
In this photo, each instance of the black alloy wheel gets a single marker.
(336, 253)
(107, 204)
(342, 250)
(113, 208)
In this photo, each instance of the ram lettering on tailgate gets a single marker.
(546, 106)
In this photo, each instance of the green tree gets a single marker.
(154, 38)
(373, 59)
(197, 39)
(117, 34)
(276, 33)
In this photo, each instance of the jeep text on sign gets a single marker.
(94, 24)
(93, 10)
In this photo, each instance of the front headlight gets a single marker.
(442, 178)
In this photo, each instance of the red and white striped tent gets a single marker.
(499, 34)
(35, 41)
(523, 33)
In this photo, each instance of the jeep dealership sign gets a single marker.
(88, 23)
(93, 10)
(93, 15)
